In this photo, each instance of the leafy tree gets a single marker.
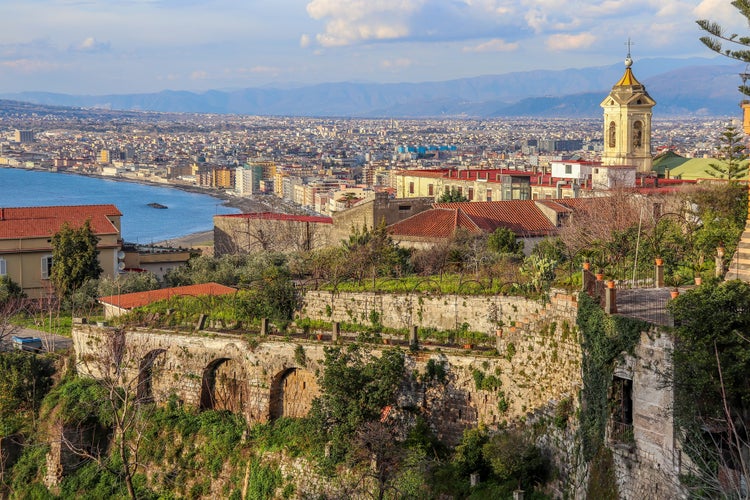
(513, 457)
(453, 195)
(24, 380)
(733, 156)
(9, 290)
(711, 362)
(127, 283)
(503, 240)
(468, 457)
(374, 252)
(74, 258)
(738, 46)
(355, 387)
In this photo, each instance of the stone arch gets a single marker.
(292, 393)
(144, 389)
(222, 386)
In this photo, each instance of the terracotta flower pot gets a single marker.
(674, 293)
(698, 281)
(610, 283)
(599, 276)
(586, 266)
(659, 261)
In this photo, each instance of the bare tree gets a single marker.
(380, 455)
(8, 310)
(124, 374)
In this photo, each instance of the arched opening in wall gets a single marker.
(144, 389)
(612, 139)
(222, 386)
(292, 392)
(638, 134)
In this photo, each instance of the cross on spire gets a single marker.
(629, 43)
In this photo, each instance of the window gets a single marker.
(46, 266)
(612, 135)
(3, 269)
(637, 134)
(621, 404)
(568, 169)
(471, 194)
(411, 188)
(430, 190)
(489, 195)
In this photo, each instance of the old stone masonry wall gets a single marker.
(443, 312)
(265, 377)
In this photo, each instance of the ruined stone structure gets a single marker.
(482, 313)
(268, 231)
(646, 452)
(370, 213)
(537, 365)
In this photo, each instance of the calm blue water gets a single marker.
(187, 212)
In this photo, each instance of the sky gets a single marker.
(133, 46)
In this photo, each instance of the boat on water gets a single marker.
(156, 205)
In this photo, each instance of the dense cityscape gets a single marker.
(311, 162)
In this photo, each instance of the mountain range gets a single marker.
(694, 87)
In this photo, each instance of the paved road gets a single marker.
(50, 341)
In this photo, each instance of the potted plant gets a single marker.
(698, 265)
(674, 280)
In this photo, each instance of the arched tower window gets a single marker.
(612, 142)
(638, 134)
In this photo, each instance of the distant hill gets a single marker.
(697, 87)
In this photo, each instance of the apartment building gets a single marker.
(26, 241)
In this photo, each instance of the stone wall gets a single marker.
(442, 312)
(372, 212)
(648, 462)
(539, 364)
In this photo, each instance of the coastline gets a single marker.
(257, 203)
(201, 239)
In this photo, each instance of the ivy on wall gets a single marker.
(604, 338)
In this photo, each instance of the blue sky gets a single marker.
(132, 46)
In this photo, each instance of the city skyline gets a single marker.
(100, 47)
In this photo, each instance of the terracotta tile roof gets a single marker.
(281, 217)
(434, 223)
(36, 222)
(138, 299)
(522, 217)
(554, 205)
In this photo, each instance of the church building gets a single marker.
(627, 123)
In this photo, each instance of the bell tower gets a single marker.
(627, 122)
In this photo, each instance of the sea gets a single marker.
(186, 212)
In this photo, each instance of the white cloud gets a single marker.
(199, 75)
(29, 65)
(304, 41)
(353, 21)
(562, 42)
(90, 44)
(399, 63)
(494, 45)
(722, 12)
